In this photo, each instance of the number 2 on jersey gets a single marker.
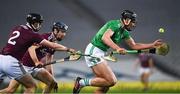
(12, 39)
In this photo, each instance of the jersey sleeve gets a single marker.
(126, 35)
(111, 25)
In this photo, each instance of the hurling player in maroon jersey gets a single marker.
(37, 54)
(20, 39)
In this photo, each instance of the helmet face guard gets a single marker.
(32, 19)
(131, 26)
(36, 26)
(127, 14)
(60, 27)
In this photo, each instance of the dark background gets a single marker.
(85, 17)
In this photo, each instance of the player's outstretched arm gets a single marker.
(56, 46)
(139, 46)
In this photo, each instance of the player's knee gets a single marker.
(101, 90)
(112, 82)
(30, 90)
(31, 87)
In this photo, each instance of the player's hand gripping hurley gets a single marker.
(163, 50)
(71, 57)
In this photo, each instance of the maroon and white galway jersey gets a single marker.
(144, 60)
(40, 52)
(20, 39)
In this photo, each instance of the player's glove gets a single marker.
(39, 65)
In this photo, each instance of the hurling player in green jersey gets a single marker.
(109, 36)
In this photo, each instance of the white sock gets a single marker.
(85, 82)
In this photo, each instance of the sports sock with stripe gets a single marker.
(85, 82)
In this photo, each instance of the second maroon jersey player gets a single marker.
(40, 52)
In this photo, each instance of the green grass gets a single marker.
(123, 87)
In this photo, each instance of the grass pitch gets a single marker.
(121, 87)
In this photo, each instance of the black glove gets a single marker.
(39, 66)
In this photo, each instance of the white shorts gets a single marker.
(144, 70)
(10, 67)
(93, 51)
(33, 71)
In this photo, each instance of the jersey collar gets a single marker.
(28, 25)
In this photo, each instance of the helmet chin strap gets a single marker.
(125, 24)
(55, 37)
(35, 29)
(128, 29)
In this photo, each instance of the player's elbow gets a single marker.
(111, 81)
(105, 39)
(53, 46)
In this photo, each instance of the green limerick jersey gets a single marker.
(118, 36)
